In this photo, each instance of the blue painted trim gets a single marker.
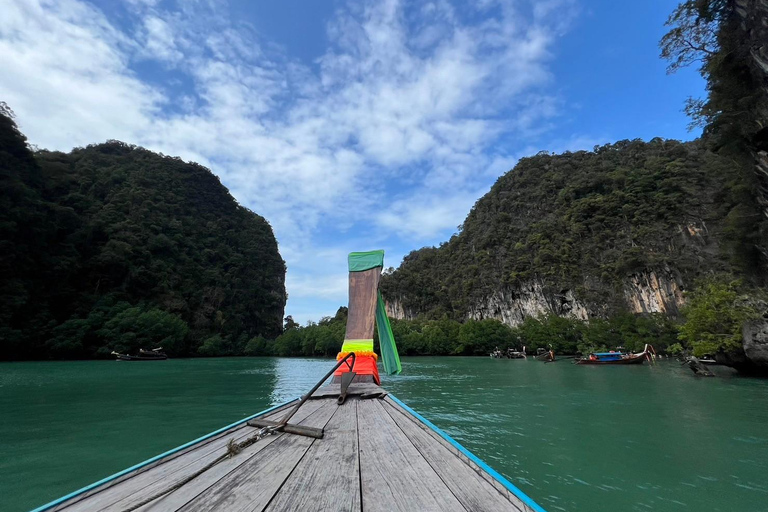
(156, 458)
(474, 458)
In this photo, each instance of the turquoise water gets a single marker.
(574, 438)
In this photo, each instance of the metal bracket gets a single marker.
(299, 430)
(284, 426)
(346, 380)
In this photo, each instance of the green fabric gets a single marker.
(359, 261)
(389, 355)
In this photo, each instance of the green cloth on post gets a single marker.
(389, 355)
(360, 261)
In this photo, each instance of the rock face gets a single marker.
(755, 336)
(654, 292)
(625, 228)
(396, 310)
(644, 292)
(754, 358)
(512, 306)
(751, 16)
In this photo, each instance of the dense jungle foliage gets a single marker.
(479, 337)
(113, 247)
(586, 222)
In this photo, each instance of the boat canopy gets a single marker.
(609, 356)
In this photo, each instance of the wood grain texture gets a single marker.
(375, 456)
(252, 485)
(354, 389)
(467, 483)
(394, 475)
(133, 474)
(437, 439)
(362, 304)
(140, 484)
(181, 497)
(328, 477)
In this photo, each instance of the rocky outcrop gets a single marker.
(654, 292)
(512, 306)
(650, 291)
(753, 359)
(645, 292)
(396, 310)
(752, 15)
(755, 339)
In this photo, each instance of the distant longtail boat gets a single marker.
(347, 446)
(648, 353)
(156, 354)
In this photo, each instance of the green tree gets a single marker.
(212, 346)
(725, 38)
(133, 327)
(480, 337)
(258, 346)
(110, 223)
(289, 343)
(714, 316)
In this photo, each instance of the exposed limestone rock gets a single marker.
(754, 34)
(396, 310)
(755, 336)
(646, 292)
(657, 291)
(512, 306)
(753, 359)
(694, 231)
(654, 292)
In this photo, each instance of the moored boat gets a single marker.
(348, 445)
(509, 354)
(156, 354)
(617, 357)
(543, 354)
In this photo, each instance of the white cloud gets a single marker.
(159, 41)
(428, 217)
(65, 72)
(410, 99)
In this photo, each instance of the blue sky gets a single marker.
(349, 125)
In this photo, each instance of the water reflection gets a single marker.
(575, 438)
(297, 376)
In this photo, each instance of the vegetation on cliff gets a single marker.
(447, 337)
(584, 223)
(113, 247)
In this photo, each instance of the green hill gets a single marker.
(113, 247)
(626, 227)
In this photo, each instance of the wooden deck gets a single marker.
(375, 456)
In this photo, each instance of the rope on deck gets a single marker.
(233, 449)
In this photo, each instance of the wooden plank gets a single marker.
(328, 477)
(354, 389)
(252, 484)
(181, 497)
(147, 483)
(288, 428)
(469, 487)
(394, 475)
(362, 304)
(213, 441)
(511, 497)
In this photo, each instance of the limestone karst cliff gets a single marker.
(627, 227)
